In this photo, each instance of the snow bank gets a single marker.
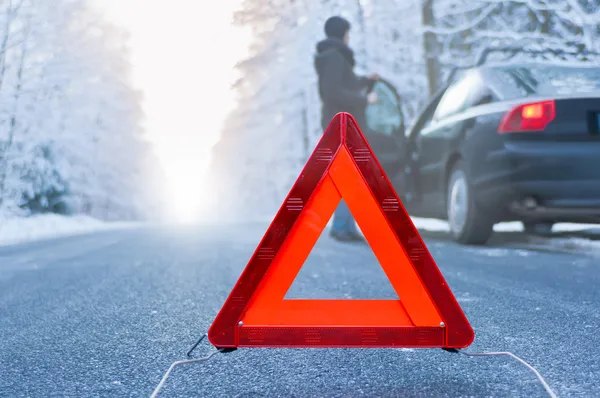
(427, 224)
(575, 244)
(47, 226)
(432, 225)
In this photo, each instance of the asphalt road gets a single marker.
(106, 314)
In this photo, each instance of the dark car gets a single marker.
(503, 142)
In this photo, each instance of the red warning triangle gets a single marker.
(256, 313)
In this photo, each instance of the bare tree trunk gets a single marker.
(305, 133)
(10, 15)
(545, 28)
(363, 49)
(430, 45)
(13, 118)
(3, 48)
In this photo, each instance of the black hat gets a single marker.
(336, 27)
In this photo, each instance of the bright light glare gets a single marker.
(186, 185)
(183, 54)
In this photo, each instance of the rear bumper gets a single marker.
(555, 181)
(525, 200)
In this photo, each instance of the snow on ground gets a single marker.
(564, 243)
(574, 244)
(47, 226)
(21, 230)
(428, 224)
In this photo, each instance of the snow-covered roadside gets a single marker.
(575, 243)
(47, 226)
(427, 224)
(563, 243)
(434, 225)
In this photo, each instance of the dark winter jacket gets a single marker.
(341, 90)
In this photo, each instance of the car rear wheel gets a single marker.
(468, 224)
(538, 228)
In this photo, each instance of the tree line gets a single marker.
(71, 134)
(411, 43)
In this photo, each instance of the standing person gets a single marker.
(341, 90)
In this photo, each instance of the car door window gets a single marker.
(480, 92)
(455, 99)
(385, 115)
(467, 91)
(483, 95)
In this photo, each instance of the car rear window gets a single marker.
(527, 81)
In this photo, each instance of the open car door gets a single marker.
(385, 131)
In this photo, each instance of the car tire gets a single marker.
(468, 224)
(538, 228)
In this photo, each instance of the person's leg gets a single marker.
(344, 226)
(342, 219)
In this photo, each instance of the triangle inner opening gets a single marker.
(341, 270)
(274, 303)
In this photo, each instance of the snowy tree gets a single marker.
(70, 123)
(411, 43)
(267, 140)
(464, 27)
(396, 48)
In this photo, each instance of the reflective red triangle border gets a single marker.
(343, 131)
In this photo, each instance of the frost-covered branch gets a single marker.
(473, 22)
(70, 130)
(278, 102)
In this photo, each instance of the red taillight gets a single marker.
(528, 117)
